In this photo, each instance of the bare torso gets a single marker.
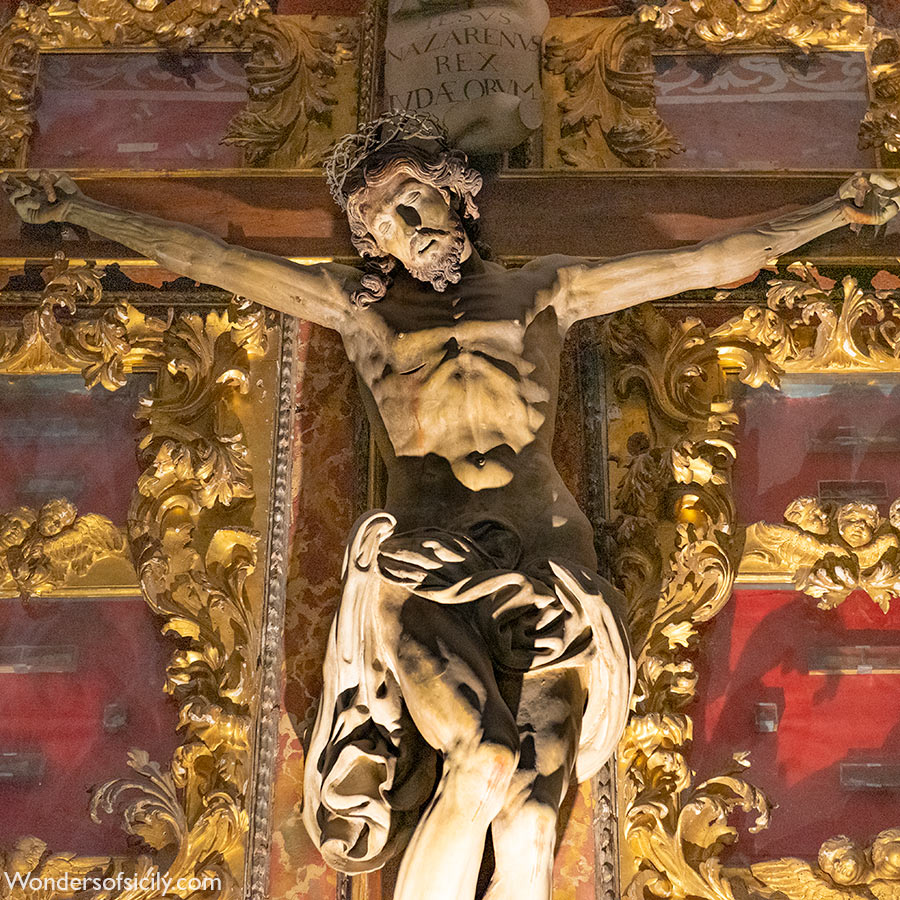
(461, 389)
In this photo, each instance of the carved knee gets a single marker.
(482, 773)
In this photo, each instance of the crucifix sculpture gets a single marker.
(476, 663)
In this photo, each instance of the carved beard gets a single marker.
(443, 269)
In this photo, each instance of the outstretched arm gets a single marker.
(594, 289)
(319, 293)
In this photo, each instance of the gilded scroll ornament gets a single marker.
(608, 105)
(45, 549)
(291, 74)
(103, 347)
(829, 552)
(768, 23)
(675, 830)
(807, 326)
(881, 125)
(194, 551)
(296, 70)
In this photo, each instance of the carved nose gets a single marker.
(409, 215)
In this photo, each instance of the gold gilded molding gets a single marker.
(804, 24)
(829, 552)
(881, 125)
(599, 97)
(297, 73)
(192, 539)
(677, 425)
(300, 69)
(53, 547)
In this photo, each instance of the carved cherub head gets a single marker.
(886, 854)
(857, 523)
(55, 515)
(842, 860)
(14, 527)
(809, 514)
(409, 197)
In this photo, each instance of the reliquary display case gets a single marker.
(754, 492)
(145, 444)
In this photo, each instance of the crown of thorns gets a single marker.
(343, 167)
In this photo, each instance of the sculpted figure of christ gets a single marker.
(476, 664)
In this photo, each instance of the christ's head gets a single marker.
(413, 208)
(410, 199)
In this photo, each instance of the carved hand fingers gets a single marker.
(870, 200)
(40, 197)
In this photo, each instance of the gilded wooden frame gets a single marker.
(301, 70)
(678, 553)
(599, 95)
(210, 506)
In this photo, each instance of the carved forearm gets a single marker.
(319, 293)
(740, 255)
(590, 290)
(182, 249)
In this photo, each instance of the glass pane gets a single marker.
(812, 693)
(137, 110)
(81, 675)
(758, 110)
(80, 685)
(833, 438)
(58, 439)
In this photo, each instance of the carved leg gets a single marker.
(524, 833)
(449, 687)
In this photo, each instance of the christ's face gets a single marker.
(414, 222)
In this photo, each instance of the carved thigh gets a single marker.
(444, 670)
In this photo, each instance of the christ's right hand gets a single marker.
(41, 197)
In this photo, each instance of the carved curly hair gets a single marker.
(448, 171)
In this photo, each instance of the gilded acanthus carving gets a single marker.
(292, 69)
(194, 575)
(829, 552)
(881, 125)
(44, 549)
(844, 870)
(674, 828)
(193, 549)
(291, 75)
(671, 375)
(807, 326)
(608, 105)
(797, 23)
(104, 347)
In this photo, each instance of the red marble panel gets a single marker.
(137, 110)
(76, 725)
(758, 650)
(323, 497)
(764, 111)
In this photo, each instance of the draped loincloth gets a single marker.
(368, 771)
